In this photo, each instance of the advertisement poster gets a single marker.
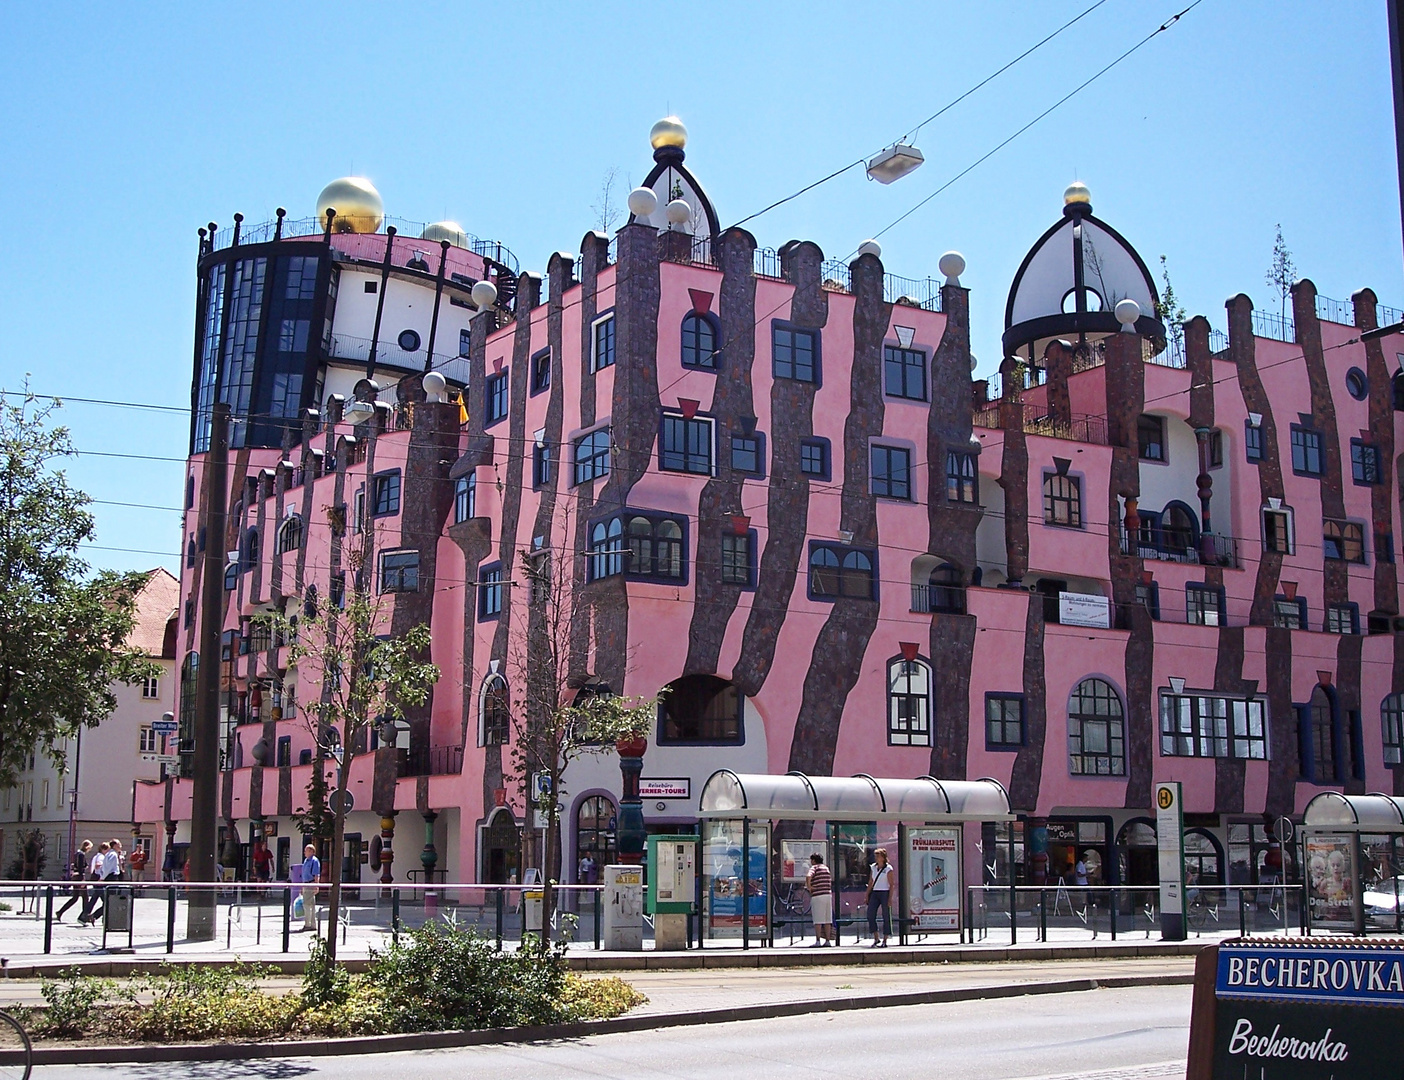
(933, 878)
(727, 891)
(1331, 880)
(794, 858)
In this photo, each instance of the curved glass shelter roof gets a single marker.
(797, 797)
(1333, 812)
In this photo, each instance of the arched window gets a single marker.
(1096, 730)
(495, 724)
(1204, 861)
(231, 576)
(655, 547)
(606, 549)
(465, 491)
(190, 552)
(824, 572)
(837, 570)
(1178, 530)
(595, 823)
(248, 550)
(700, 709)
(856, 575)
(290, 533)
(946, 589)
(1392, 720)
(189, 675)
(699, 341)
(1062, 500)
(908, 702)
(189, 491)
(1322, 730)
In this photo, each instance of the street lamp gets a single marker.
(895, 162)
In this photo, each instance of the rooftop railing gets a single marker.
(1081, 427)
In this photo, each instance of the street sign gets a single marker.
(168, 759)
(334, 801)
(165, 726)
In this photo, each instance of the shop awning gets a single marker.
(797, 797)
(1333, 812)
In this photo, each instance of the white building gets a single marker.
(92, 798)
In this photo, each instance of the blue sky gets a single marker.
(129, 126)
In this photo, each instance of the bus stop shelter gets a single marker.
(1350, 852)
(758, 831)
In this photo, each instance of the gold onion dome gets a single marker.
(1076, 193)
(359, 207)
(668, 132)
(451, 231)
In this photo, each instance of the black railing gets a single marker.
(1277, 327)
(431, 761)
(947, 599)
(1210, 549)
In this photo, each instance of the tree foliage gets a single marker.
(366, 676)
(560, 718)
(1170, 311)
(63, 629)
(1282, 273)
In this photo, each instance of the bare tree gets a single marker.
(367, 677)
(1282, 273)
(605, 208)
(560, 718)
(1170, 311)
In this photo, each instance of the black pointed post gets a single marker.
(444, 246)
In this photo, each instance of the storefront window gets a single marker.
(595, 824)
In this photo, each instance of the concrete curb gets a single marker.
(441, 1040)
(116, 967)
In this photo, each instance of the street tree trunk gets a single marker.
(334, 857)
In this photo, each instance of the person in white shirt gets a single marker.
(880, 886)
(97, 871)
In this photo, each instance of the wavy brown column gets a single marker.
(1381, 433)
(1126, 395)
(1014, 473)
(951, 534)
(787, 495)
(594, 258)
(843, 640)
(1347, 683)
(511, 478)
(1284, 765)
(635, 413)
(1027, 775)
(1229, 773)
(715, 600)
(310, 422)
(1336, 583)
(1397, 687)
(1058, 361)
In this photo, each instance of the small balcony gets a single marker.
(1174, 545)
(431, 761)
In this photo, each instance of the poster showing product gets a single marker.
(933, 878)
(794, 858)
(728, 891)
(1331, 880)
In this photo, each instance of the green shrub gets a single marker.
(194, 1002)
(323, 981)
(598, 999)
(76, 1002)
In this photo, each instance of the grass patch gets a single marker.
(439, 978)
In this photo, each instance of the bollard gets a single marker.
(1242, 916)
(1042, 914)
(598, 894)
(170, 918)
(395, 916)
(287, 917)
(48, 919)
(1113, 914)
(499, 893)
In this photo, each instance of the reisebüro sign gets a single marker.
(1308, 1012)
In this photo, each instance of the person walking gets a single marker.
(880, 885)
(77, 871)
(97, 872)
(820, 883)
(311, 871)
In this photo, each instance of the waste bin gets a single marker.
(117, 909)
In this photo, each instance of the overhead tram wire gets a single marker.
(912, 133)
(1057, 104)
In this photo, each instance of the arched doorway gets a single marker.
(501, 848)
(1204, 858)
(596, 821)
(1137, 859)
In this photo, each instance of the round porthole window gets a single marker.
(1357, 384)
(409, 340)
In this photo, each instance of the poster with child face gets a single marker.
(1331, 880)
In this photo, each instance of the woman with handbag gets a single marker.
(880, 885)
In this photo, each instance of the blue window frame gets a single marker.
(541, 371)
(640, 544)
(385, 493)
(685, 445)
(497, 398)
(1004, 721)
(794, 352)
(699, 341)
(892, 472)
(738, 558)
(592, 456)
(814, 458)
(1252, 441)
(1365, 465)
(904, 373)
(490, 586)
(542, 465)
(748, 454)
(399, 572)
(465, 497)
(1306, 451)
(837, 570)
(602, 345)
(465, 342)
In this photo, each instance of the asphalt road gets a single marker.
(1139, 1033)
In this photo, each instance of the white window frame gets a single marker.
(594, 342)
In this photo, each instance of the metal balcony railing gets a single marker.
(1210, 549)
(431, 761)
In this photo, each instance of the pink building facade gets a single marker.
(774, 489)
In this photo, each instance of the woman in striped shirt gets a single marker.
(820, 883)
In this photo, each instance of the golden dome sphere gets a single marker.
(668, 132)
(358, 206)
(451, 231)
(1076, 193)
